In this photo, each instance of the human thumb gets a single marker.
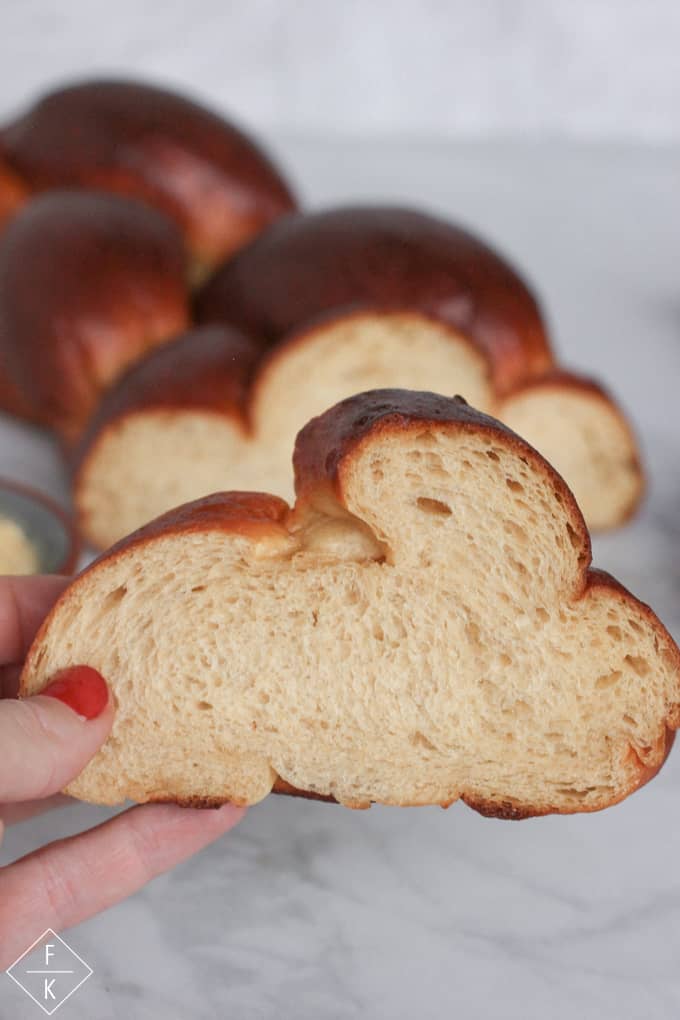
(48, 739)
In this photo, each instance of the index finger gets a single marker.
(24, 603)
(68, 881)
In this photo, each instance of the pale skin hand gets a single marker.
(43, 745)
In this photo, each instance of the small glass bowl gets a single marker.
(46, 526)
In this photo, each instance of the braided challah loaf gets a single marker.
(321, 306)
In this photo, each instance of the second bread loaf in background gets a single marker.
(318, 307)
(133, 138)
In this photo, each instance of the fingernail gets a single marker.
(81, 688)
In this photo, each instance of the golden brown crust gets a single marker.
(209, 368)
(88, 282)
(132, 138)
(288, 790)
(387, 259)
(506, 809)
(561, 378)
(202, 803)
(324, 443)
(13, 192)
(280, 786)
(256, 515)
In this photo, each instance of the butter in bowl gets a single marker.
(36, 535)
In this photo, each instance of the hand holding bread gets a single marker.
(45, 742)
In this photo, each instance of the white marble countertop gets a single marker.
(312, 911)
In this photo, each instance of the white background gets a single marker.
(577, 68)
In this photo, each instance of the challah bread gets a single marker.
(88, 282)
(139, 140)
(335, 303)
(325, 289)
(423, 626)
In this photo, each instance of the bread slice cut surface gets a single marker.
(423, 626)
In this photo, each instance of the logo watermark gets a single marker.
(49, 971)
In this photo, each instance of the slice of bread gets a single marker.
(422, 626)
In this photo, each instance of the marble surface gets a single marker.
(311, 911)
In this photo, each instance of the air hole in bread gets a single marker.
(472, 634)
(419, 739)
(637, 664)
(516, 531)
(426, 439)
(608, 680)
(436, 468)
(518, 710)
(614, 632)
(436, 507)
(514, 485)
(572, 792)
(114, 596)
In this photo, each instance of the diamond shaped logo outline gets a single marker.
(49, 932)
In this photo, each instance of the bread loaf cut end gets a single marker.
(158, 440)
(422, 627)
